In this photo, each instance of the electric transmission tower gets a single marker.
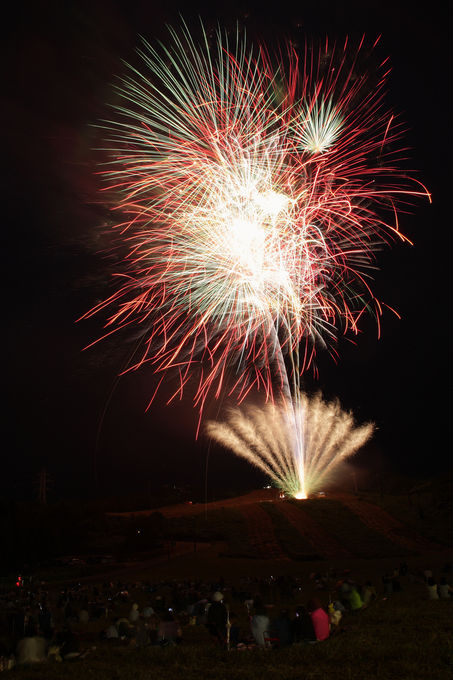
(42, 483)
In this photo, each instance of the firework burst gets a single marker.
(270, 439)
(250, 192)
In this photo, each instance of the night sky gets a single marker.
(65, 409)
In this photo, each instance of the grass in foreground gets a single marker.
(403, 638)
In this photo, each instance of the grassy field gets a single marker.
(405, 637)
(402, 638)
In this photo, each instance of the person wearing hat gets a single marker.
(217, 617)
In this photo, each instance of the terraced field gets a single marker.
(359, 539)
(261, 533)
(259, 525)
(324, 541)
(380, 521)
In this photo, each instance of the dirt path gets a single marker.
(261, 532)
(379, 520)
(324, 543)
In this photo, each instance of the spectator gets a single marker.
(234, 630)
(169, 630)
(350, 596)
(142, 638)
(354, 599)
(124, 628)
(444, 589)
(259, 626)
(319, 619)
(368, 594)
(217, 617)
(431, 586)
(302, 626)
(111, 632)
(68, 644)
(17, 623)
(31, 649)
(335, 615)
(84, 616)
(45, 622)
(249, 604)
(134, 613)
(282, 630)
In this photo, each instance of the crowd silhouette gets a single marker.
(39, 622)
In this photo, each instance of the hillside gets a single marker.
(260, 525)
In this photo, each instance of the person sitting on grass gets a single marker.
(431, 586)
(134, 613)
(142, 638)
(335, 616)
(259, 626)
(281, 629)
(110, 633)
(217, 617)
(67, 644)
(368, 593)
(444, 589)
(319, 618)
(45, 622)
(152, 624)
(234, 630)
(169, 632)
(354, 599)
(302, 626)
(124, 628)
(83, 614)
(31, 648)
(148, 612)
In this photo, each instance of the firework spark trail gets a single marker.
(251, 195)
(262, 436)
(335, 436)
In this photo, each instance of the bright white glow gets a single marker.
(300, 495)
(272, 203)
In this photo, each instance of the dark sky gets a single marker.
(65, 409)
